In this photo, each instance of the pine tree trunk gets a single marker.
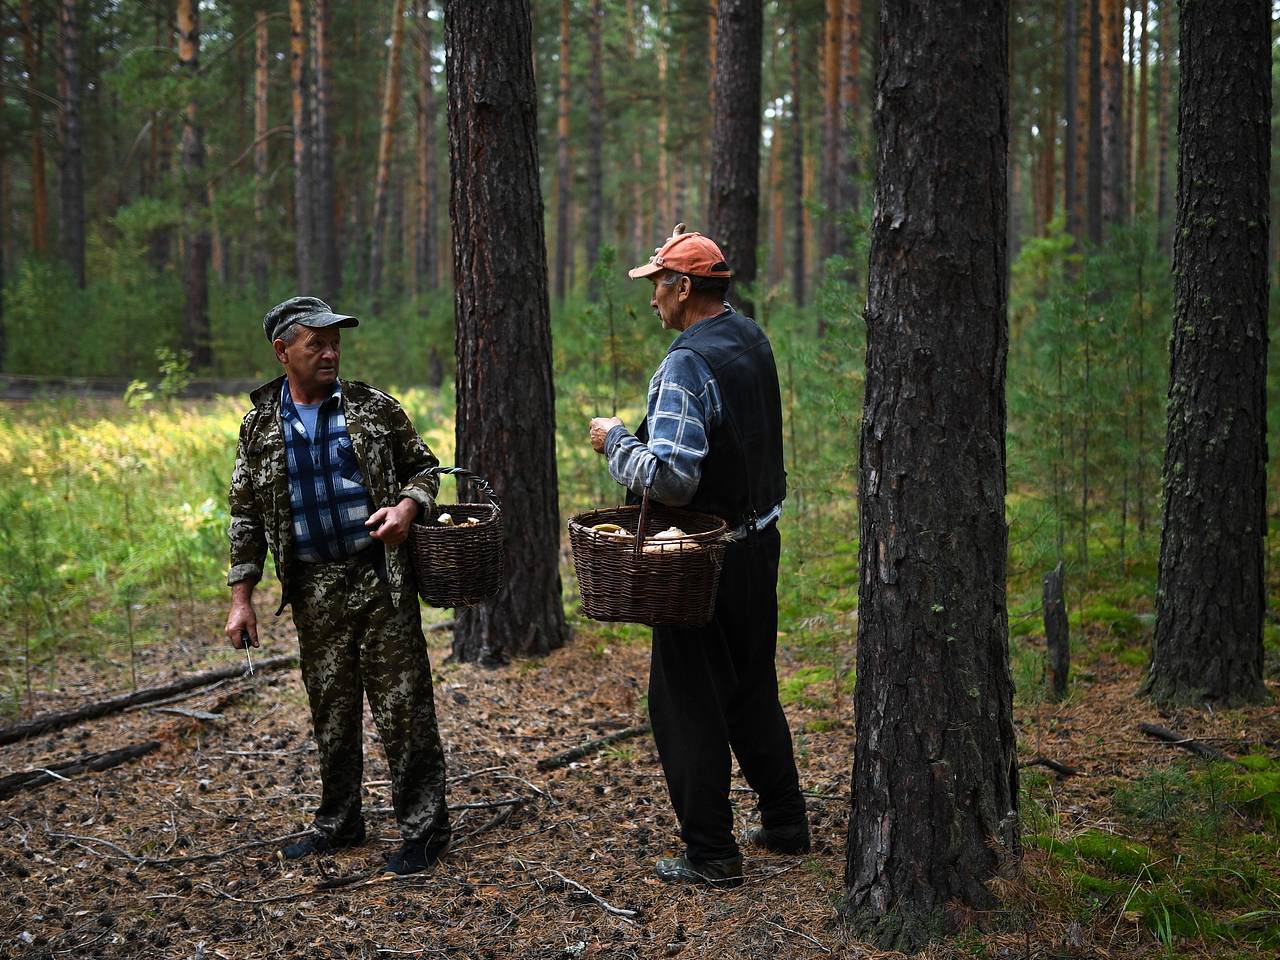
(261, 156)
(1112, 103)
(798, 212)
(935, 784)
(1083, 23)
(506, 407)
(735, 170)
(326, 227)
(850, 138)
(595, 149)
(1141, 184)
(71, 157)
(386, 142)
(1070, 153)
(640, 210)
(162, 238)
(665, 221)
(302, 185)
(777, 203)
(832, 30)
(425, 243)
(195, 242)
(1049, 126)
(1130, 100)
(1165, 25)
(33, 51)
(562, 158)
(1211, 594)
(1097, 154)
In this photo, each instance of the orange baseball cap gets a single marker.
(690, 253)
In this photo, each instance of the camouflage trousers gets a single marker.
(351, 636)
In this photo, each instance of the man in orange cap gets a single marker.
(712, 441)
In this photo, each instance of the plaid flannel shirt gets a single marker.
(684, 409)
(327, 494)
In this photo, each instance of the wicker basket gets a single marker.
(457, 566)
(622, 581)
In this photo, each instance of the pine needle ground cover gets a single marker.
(114, 521)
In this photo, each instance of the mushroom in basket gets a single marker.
(612, 530)
(670, 540)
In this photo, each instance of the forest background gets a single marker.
(322, 167)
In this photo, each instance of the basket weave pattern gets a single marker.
(460, 565)
(620, 581)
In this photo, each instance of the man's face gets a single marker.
(312, 359)
(666, 301)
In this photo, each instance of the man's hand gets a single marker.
(600, 427)
(391, 524)
(242, 616)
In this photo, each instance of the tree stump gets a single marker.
(1057, 633)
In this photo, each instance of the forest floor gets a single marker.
(174, 855)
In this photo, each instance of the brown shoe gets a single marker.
(789, 840)
(715, 873)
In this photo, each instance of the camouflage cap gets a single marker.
(308, 311)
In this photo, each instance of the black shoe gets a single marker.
(717, 873)
(314, 843)
(790, 839)
(415, 856)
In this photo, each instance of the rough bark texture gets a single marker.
(1057, 633)
(425, 241)
(797, 170)
(195, 244)
(329, 281)
(935, 784)
(595, 148)
(1211, 593)
(71, 156)
(301, 149)
(735, 167)
(33, 52)
(562, 158)
(262, 54)
(386, 137)
(506, 410)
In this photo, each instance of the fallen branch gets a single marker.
(1190, 744)
(600, 901)
(101, 708)
(30, 779)
(567, 757)
(1061, 769)
(193, 714)
(169, 861)
(502, 817)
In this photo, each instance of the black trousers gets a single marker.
(714, 688)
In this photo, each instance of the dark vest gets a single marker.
(743, 475)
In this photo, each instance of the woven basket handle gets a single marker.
(481, 483)
(638, 545)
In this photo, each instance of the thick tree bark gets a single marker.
(326, 227)
(1057, 633)
(195, 243)
(261, 157)
(735, 169)
(425, 245)
(850, 130)
(595, 148)
(302, 186)
(1112, 104)
(506, 408)
(935, 783)
(562, 158)
(386, 137)
(33, 51)
(1211, 593)
(71, 157)
(797, 170)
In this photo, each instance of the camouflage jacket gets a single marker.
(394, 460)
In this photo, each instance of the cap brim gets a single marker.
(329, 320)
(645, 270)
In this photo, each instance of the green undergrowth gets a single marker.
(1192, 856)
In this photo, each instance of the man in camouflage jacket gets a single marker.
(328, 476)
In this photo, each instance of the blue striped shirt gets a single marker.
(327, 495)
